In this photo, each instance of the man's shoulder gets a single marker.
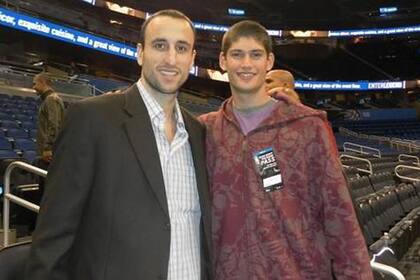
(209, 118)
(98, 107)
(103, 101)
(297, 112)
(52, 97)
(191, 119)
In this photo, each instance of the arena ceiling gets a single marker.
(283, 14)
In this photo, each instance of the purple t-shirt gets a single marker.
(251, 118)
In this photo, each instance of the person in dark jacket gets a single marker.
(126, 194)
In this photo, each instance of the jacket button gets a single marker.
(168, 226)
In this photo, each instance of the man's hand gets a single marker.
(286, 94)
(47, 156)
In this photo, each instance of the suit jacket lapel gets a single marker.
(140, 133)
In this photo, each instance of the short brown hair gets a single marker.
(44, 78)
(164, 13)
(247, 28)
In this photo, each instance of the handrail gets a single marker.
(405, 177)
(411, 146)
(347, 131)
(8, 197)
(409, 156)
(387, 270)
(361, 149)
(370, 170)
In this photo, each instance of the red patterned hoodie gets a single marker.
(307, 229)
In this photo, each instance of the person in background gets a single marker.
(127, 193)
(281, 81)
(281, 208)
(50, 115)
(50, 120)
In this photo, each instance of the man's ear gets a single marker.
(222, 61)
(270, 63)
(139, 54)
(193, 58)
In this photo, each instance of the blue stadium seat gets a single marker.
(7, 105)
(17, 97)
(5, 154)
(30, 112)
(28, 124)
(32, 133)
(6, 116)
(9, 124)
(24, 144)
(13, 111)
(17, 133)
(22, 117)
(29, 155)
(30, 99)
(5, 144)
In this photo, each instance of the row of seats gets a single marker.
(388, 209)
(394, 217)
(18, 124)
(12, 115)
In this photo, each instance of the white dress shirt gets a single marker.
(181, 192)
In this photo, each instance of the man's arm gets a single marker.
(54, 110)
(68, 183)
(345, 242)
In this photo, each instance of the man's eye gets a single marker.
(236, 54)
(256, 55)
(181, 49)
(159, 46)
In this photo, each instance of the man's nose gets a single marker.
(170, 57)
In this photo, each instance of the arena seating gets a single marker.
(388, 209)
(405, 129)
(18, 127)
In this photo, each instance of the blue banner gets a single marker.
(374, 32)
(352, 86)
(65, 34)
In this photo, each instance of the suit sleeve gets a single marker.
(67, 188)
(345, 243)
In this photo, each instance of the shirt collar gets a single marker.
(155, 110)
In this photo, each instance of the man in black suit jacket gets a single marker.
(108, 209)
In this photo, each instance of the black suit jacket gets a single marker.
(104, 215)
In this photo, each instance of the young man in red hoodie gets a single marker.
(281, 207)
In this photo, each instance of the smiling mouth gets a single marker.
(168, 72)
(246, 75)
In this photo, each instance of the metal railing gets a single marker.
(8, 197)
(360, 149)
(412, 179)
(347, 131)
(369, 171)
(401, 158)
(386, 269)
(399, 144)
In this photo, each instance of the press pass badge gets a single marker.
(268, 169)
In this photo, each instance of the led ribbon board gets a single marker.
(69, 35)
(339, 86)
(374, 32)
(65, 34)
